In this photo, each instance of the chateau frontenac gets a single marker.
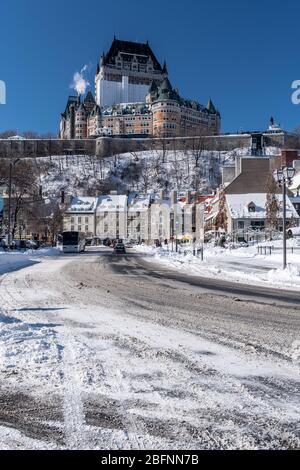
(134, 96)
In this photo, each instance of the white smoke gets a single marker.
(80, 83)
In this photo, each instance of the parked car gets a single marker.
(107, 242)
(33, 244)
(20, 244)
(120, 249)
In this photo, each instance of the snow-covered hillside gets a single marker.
(137, 171)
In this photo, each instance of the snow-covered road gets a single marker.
(106, 352)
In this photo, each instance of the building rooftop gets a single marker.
(142, 51)
(83, 204)
(238, 205)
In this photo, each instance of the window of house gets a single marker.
(241, 224)
(79, 228)
(86, 228)
(258, 224)
(79, 220)
(86, 220)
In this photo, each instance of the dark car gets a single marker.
(120, 248)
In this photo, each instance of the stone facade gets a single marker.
(80, 120)
(109, 146)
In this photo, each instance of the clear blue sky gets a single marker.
(244, 54)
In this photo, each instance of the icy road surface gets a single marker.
(106, 352)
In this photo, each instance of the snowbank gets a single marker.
(243, 265)
(16, 260)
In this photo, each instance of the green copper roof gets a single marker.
(166, 92)
(210, 107)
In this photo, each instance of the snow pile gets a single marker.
(16, 260)
(28, 346)
(242, 264)
(290, 276)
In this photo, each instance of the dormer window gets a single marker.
(251, 207)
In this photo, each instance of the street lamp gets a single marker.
(12, 164)
(284, 177)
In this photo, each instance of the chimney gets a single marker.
(188, 197)
(288, 156)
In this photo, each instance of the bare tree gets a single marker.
(272, 204)
(25, 188)
(222, 217)
(197, 149)
(8, 133)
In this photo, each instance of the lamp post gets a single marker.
(11, 166)
(284, 177)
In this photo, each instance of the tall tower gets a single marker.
(126, 72)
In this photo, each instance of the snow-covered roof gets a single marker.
(112, 202)
(138, 203)
(16, 137)
(83, 204)
(238, 206)
(295, 183)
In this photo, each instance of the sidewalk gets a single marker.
(242, 265)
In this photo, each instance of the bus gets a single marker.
(72, 242)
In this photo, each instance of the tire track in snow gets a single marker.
(74, 416)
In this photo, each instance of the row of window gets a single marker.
(79, 220)
(79, 228)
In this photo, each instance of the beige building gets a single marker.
(80, 216)
(138, 217)
(111, 217)
(135, 217)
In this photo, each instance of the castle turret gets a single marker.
(211, 107)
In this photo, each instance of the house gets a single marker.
(240, 203)
(248, 211)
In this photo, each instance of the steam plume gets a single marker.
(80, 83)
